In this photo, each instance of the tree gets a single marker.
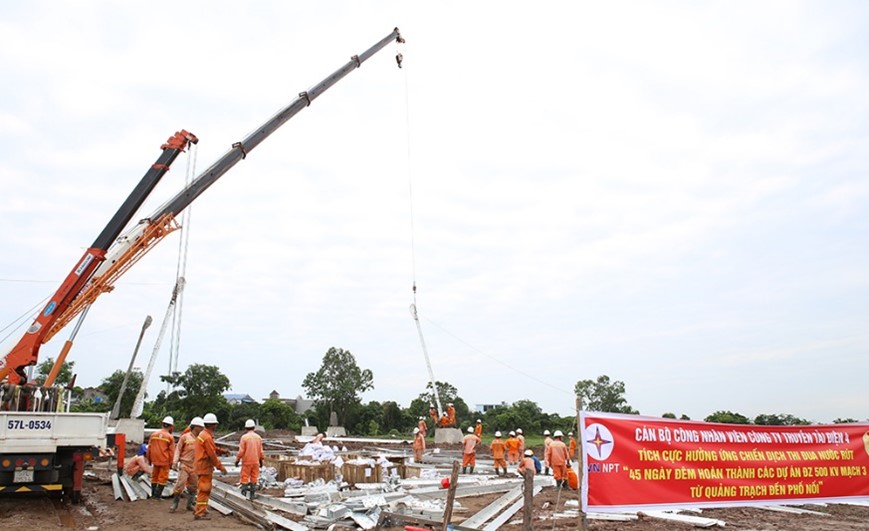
(603, 395)
(197, 391)
(111, 386)
(339, 382)
(447, 393)
(63, 376)
(779, 420)
(727, 417)
(276, 415)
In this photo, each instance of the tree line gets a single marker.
(337, 387)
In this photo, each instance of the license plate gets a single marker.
(23, 476)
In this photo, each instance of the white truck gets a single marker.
(46, 452)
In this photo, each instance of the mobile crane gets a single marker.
(42, 448)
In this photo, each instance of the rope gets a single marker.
(181, 269)
(413, 309)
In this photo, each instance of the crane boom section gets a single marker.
(26, 351)
(240, 150)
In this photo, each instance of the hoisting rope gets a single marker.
(181, 270)
(399, 59)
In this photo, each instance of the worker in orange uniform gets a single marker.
(547, 440)
(206, 461)
(469, 450)
(521, 439)
(478, 429)
(423, 428)
(571, 448)
(435, 416)
(448, 420)
(527, 463)
(418, 445)
(185, 453)
(512, 444)
(499, 449)
(161, 450)
(138, 465)
(250, 455)
(558, 458)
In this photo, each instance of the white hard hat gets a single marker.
(478, 420)
(529, 453)
(545, 432)
(518, 430)
(415, 431)
(470, 429)
(249, 423)
(558, 434)
(570, 433)
(210, 418)
(421, 418)
(512, 433)
(197, 421)
(497, 434)
(169, 420)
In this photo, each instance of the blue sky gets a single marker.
(670, 194)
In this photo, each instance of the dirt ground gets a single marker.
(554, 510)
(99, 511)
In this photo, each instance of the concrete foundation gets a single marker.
(133, 429)
(310, 430)
(336, 431)
(448, 435)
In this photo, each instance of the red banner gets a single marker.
(633, 463)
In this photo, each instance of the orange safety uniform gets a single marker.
(469, 449)
(433, 413)
(478, 430)
(546, 442)
(557, 457)
(572, 447)
(449, 418)
(137, 464)
(526, 464)
(521, 439)
(185, 453)
(250, 453)
(161, 450)
(498, 448)
(423, 428)
(418, 447)
(205, 461)
(512, 444)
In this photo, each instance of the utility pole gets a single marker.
(116, 411)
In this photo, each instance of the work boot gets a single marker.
(205, 516)
(176, 499)
(160, 492)
(251, 490)
(191, 499)
(472, 470)
(464, 470)
(153, 490)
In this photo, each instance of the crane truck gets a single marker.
(43, 447)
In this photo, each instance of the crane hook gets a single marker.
(398, 59)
